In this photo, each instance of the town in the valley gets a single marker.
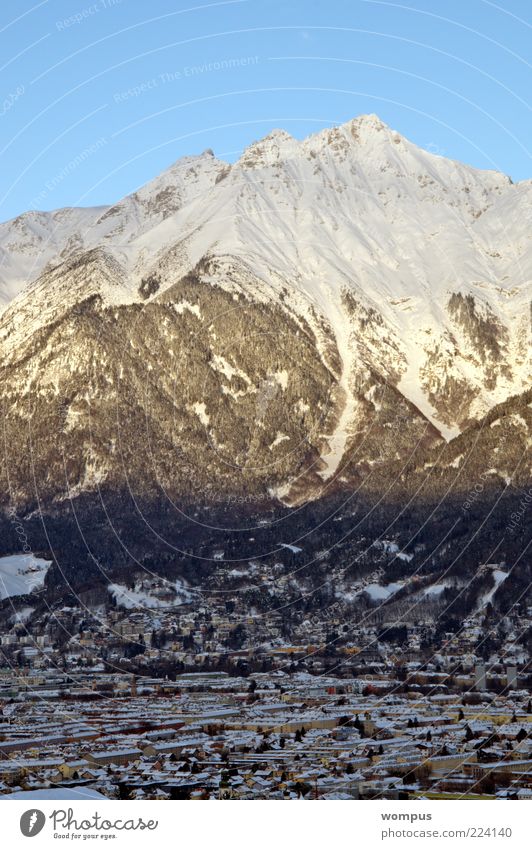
(201, 700)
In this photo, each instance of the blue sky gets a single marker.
(98, 96)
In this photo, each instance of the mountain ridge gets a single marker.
(400, 279)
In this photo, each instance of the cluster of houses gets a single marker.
(275, 735)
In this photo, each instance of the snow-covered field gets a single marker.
(21, 574)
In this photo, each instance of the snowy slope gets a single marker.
(21, 574)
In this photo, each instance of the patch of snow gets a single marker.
(201, 411)
(281, 377)
(142, 596)
(403, 555)
(185, 305)
(435, 589)
(220, 364)
(22, 615)
(498, 577)
(281, 437)
(377, 592)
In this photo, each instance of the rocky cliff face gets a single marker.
(316, 315)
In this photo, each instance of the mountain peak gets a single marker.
(278, 136)
(270, 149)
(359, 131)
(368, 122)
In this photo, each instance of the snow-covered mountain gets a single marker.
(285, 305)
